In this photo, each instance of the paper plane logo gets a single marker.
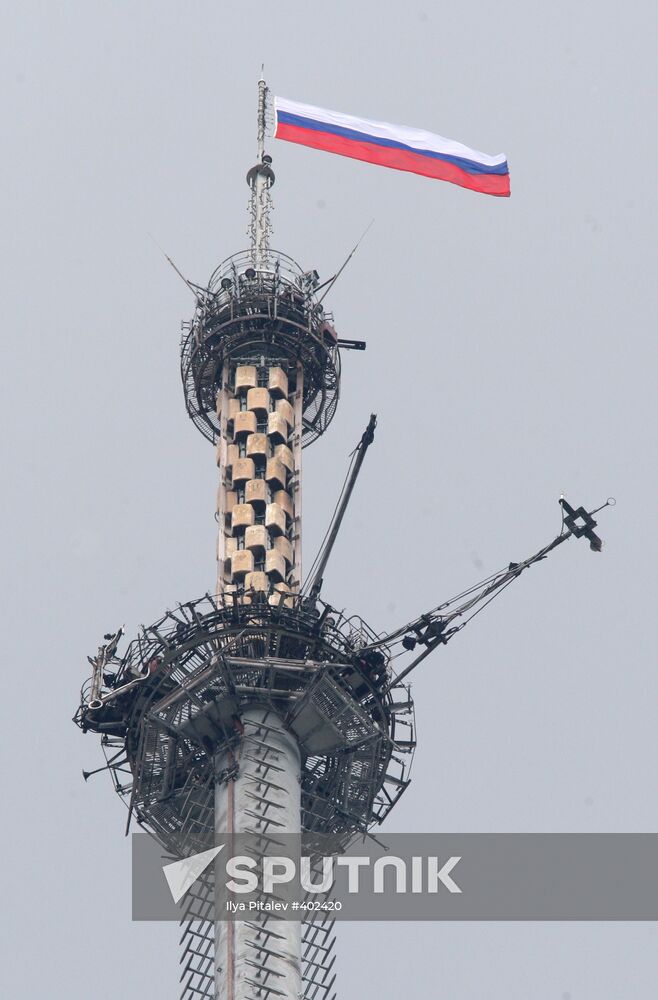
(181, 875)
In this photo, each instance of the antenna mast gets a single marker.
(260, 179)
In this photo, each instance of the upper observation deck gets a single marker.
(266, 315)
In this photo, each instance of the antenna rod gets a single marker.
(323, 556)
(332, 281)
(180, 274)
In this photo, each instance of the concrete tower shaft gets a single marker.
(262, 954)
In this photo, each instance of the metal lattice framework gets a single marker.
(181, 685)
(245, 315)
(197, 977)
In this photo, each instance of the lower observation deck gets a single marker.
(178, 693)
(265, 316)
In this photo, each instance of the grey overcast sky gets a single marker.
(510, 358)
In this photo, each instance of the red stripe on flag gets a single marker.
(397, 159)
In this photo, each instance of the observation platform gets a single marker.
(266, 316)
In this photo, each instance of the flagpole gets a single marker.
(262, 97)
(260, 179)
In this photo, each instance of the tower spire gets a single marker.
(260, 179)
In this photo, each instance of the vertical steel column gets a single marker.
(298, 407)
(222, 411)
(260, 957)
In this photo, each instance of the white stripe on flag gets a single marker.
(418, 138)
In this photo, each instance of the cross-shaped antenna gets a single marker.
(579, 522)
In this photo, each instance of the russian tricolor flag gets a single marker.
(395, 146)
